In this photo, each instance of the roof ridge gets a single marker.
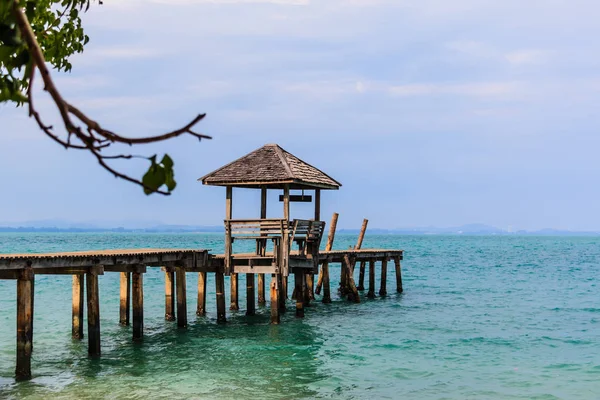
(284, 161)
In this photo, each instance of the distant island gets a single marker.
(58, 226)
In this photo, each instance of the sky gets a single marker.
(429, 112)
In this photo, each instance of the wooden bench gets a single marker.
(306, 234)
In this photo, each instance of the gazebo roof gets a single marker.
(271, 167)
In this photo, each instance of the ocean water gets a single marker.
(481, 318)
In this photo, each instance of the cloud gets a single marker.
(525, 57)
(479, 89)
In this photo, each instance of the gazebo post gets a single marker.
(233, 279)
(263, 245)
(285, 249)
(310, 278)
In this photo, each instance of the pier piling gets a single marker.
(250, 303)
(137, 286)
(169, 293)
(299, 285)
(77, 320)
(261, 290)
(399, 288)
(383, 288)
(361, 276)
(371, 292)
(220, 291)
(181, 297)
(124, 297)
(234, 306)
(93, 310)
(275, 307)
(201, 309)
(25, 295)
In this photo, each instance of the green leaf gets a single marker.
(167, 162)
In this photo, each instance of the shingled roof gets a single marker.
(273, 167)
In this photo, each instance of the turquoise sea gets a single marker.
(496, 317)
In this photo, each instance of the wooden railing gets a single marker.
(306, 234)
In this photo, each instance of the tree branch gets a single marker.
(93, 137)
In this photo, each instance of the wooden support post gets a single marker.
(305, 293)
(234, 305)
(93, 311)
(383, 288)
(310, 285)
(399, 288)
(201, 309)
(77, 321)
(299, 287)
(274, 300)
(261, 290)
(228, 202)
(317, 204)
(285, 287)
(170, 293)
(25, 294)
(343, 289)
(328, 247)
(326, 284)
(181, 297)
(137, 288)
(220, 290)
(361, 276)
(250, 304)
(125, 298)
(281, 295)
(371, 292)
(351, 286)
(261, 277)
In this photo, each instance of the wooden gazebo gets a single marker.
(272, 168)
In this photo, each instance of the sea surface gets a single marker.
(496, 317)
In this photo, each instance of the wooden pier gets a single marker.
(283, 246)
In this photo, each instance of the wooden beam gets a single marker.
(250, 303)
(126, 268)
(181, 297)
(137, 288)
(234, 293)
(25, 294)
(201, 309)
(275, 319)
(93, 311)
(220, 291)
(169, 293)
(299, 286)
(383, 288)
(371, 292)
(105, 258)
(77, 318)
(325, 267)
(125, 298)
(399, 287)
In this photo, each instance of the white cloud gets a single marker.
(484, 89)
(523, 57)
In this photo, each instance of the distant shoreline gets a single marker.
(219, 230)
